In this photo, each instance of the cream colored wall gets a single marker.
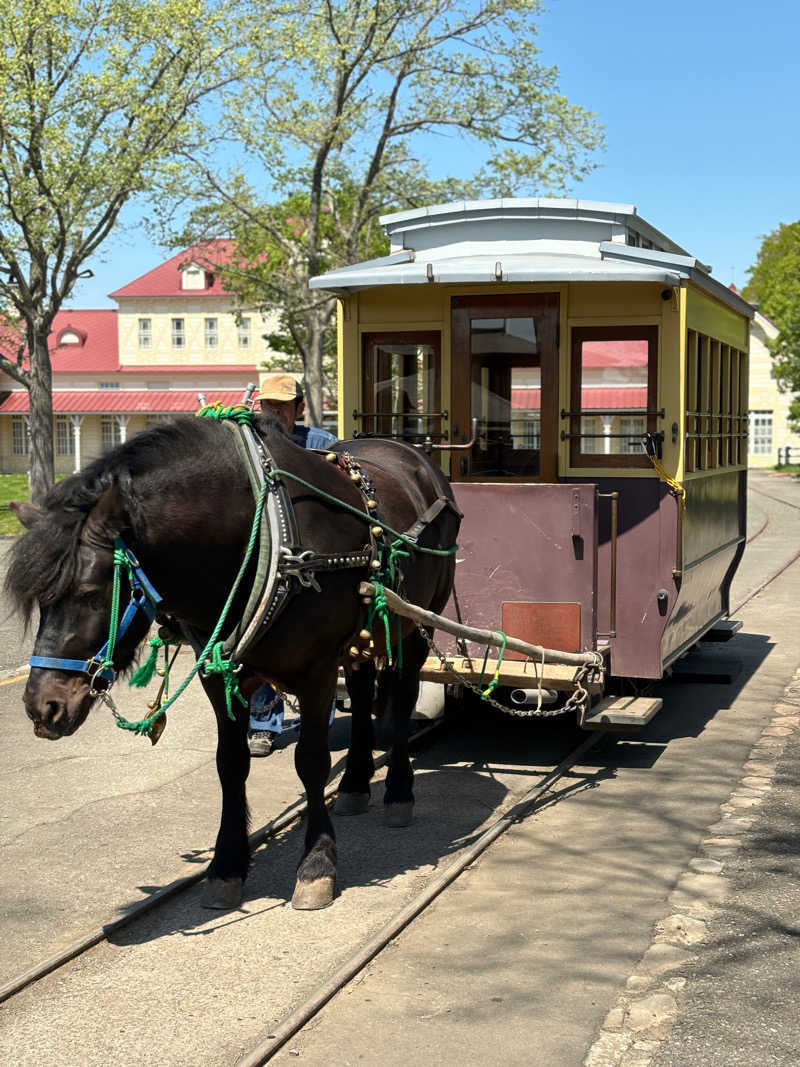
(194, 311)
(765, 395)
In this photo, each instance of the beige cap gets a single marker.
(279, 387)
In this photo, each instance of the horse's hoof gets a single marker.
(222, 894)
(311, 896)
(351, 803)
(399, 814)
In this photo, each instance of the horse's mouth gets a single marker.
(47, 733)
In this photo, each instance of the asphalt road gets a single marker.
(518, 964)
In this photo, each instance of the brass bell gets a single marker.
(366, 600)
(354, 652)
(375, 565)
(364, 635)
(377, 531)
(161, 671)
(372, 504)
(356, 476)
(331, 457)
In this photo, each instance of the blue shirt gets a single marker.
(313, 437)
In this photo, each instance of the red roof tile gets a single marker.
(188, 368)
(122, 401)
(591, 399)
(165, 279)
(96, 350)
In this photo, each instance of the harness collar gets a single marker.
(144, 598)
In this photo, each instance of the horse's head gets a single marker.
(75, 615)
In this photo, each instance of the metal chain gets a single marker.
(574, 703)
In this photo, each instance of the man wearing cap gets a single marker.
(280, 395)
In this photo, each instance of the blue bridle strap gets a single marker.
(146, 601)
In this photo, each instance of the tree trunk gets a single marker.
(313, 369)
(42, 472)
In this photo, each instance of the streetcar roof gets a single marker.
(526, 240)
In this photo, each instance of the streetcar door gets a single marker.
(505, 375)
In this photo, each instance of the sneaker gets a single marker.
(261, 742)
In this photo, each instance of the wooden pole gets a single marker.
(483, 637)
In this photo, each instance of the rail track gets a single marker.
(311, 1004)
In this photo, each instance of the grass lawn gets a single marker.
(12, 487)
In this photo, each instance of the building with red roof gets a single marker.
(172, 340)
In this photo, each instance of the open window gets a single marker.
(402, 385)
(613, 395)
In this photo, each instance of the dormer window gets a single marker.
(70, 335)
(193, 277)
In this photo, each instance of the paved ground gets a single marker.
(524, 961)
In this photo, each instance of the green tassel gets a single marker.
(144, 675)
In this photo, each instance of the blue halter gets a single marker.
(144, 598)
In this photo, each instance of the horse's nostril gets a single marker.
(55, 712)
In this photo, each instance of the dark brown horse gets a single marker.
(178, 495)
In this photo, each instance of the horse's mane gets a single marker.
(42, 562)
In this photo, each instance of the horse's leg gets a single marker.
(399, 796)
(316, 873)
(228, 869)
(353, 795)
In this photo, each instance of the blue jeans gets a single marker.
(261, 719)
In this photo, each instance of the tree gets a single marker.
(99, 97)
(342, 97)
(775, 287)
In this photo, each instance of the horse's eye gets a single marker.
(95, 601)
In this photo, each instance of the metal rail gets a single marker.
(286, 1029)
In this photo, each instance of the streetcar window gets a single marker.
(401, 386)
(613, 395)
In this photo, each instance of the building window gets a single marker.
(157, 385)
(65, 440)
(155, 420)
(110, 433)
(19, 436)
(613, 395)
(145, 333)
(108, 385)
(243, 333)
(761, 433)
(178, 333)
(211, 333)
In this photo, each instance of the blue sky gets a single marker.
(700, 103)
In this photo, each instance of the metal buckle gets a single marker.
(94, 670)
(300, 567)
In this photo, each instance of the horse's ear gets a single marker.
(27, 513)
(107, 518)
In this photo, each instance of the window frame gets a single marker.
(145, 334)
(432, 338)
(211, 331)
(64, 439)
(178, 332)
(244, 332)
(579, 334)
(20, 436)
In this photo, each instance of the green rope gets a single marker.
(403, 538)
(225, 668)
(238, 413)
(145, 725)
(380, 609)
(494, 682)
(144, 675)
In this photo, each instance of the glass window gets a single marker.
(211, 333)
(243, 333)
(506, 395)
(110, 433)
(761, 433)
(65, 440)
(401, 385)
(178, 333)
(19, 436)
(613, 394)
(108, 385)
(145, 333)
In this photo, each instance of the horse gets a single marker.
(179, 497)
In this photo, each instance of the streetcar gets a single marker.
(582, 379)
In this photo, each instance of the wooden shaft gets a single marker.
(483, 637)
